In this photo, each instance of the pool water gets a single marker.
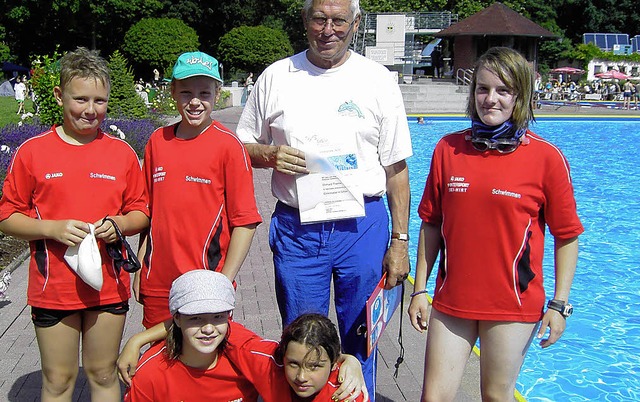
(598, 357)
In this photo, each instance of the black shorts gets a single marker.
(46, 317)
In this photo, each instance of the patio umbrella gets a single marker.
(567, 70)
(613, 74)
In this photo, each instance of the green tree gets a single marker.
(123, 100)
(5, 51)
(253, 48)
(46, 76)
(612, 16)
(157, 42)
(381, 6)
(38, 26)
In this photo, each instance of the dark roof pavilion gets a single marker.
(496, 20)
(496, 25)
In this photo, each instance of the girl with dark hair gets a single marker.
(303, 366)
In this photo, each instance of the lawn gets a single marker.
(8, 108)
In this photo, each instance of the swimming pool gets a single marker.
(598, 357)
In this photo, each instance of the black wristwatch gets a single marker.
(560, 306)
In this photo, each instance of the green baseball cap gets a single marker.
(192, 64)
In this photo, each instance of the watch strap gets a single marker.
(400, 236)
(560, 306)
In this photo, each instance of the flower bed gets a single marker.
(135, 132)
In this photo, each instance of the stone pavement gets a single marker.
(20, 375)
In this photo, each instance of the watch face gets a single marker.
(568, 310)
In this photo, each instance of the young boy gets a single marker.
(58, 184)
(200, 186)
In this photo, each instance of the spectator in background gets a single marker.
(436, 62)
(249, 83)
(627, 93)
(20, 90)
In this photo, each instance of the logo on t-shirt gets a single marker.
(505, 193)
(102, 176)
(350, 109)
(457, 184)
(158, 174)
(197, 180)
(53, 175)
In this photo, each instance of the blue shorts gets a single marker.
(349, 251)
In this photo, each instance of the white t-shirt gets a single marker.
(20, 90)
(293, 99)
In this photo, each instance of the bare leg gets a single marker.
(449, 343)
(503, 347)
(102, 333)
(59, 358)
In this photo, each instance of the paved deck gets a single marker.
(20, 375)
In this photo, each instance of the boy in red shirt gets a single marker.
(59, 188)
(200, 187)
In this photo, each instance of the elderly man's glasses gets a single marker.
(502, 145)
(121, 253)
(337, 24)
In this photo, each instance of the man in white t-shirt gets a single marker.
(324, 97)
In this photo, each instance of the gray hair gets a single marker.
(355, 7)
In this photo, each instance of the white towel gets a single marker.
(85, 260)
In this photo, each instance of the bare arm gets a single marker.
(351, 379)
(131, 223)
(241, 237)
(69, 231)
(142, 249)
(428, 248)
(128, 359)
(282, 158)
(566, 259)
(396, 259)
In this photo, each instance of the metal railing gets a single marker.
(463, 76)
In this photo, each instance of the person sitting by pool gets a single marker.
(498, 185)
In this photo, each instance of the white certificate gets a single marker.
(331, 190)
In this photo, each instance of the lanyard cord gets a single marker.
(401, 357)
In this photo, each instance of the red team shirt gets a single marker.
(199, 189)
(51, 179)
(255, 358)
(159, 379)
(492, 210)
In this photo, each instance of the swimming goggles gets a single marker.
(502, 145)
(126, 260)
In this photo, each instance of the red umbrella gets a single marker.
(613, 74)
(567, 70)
